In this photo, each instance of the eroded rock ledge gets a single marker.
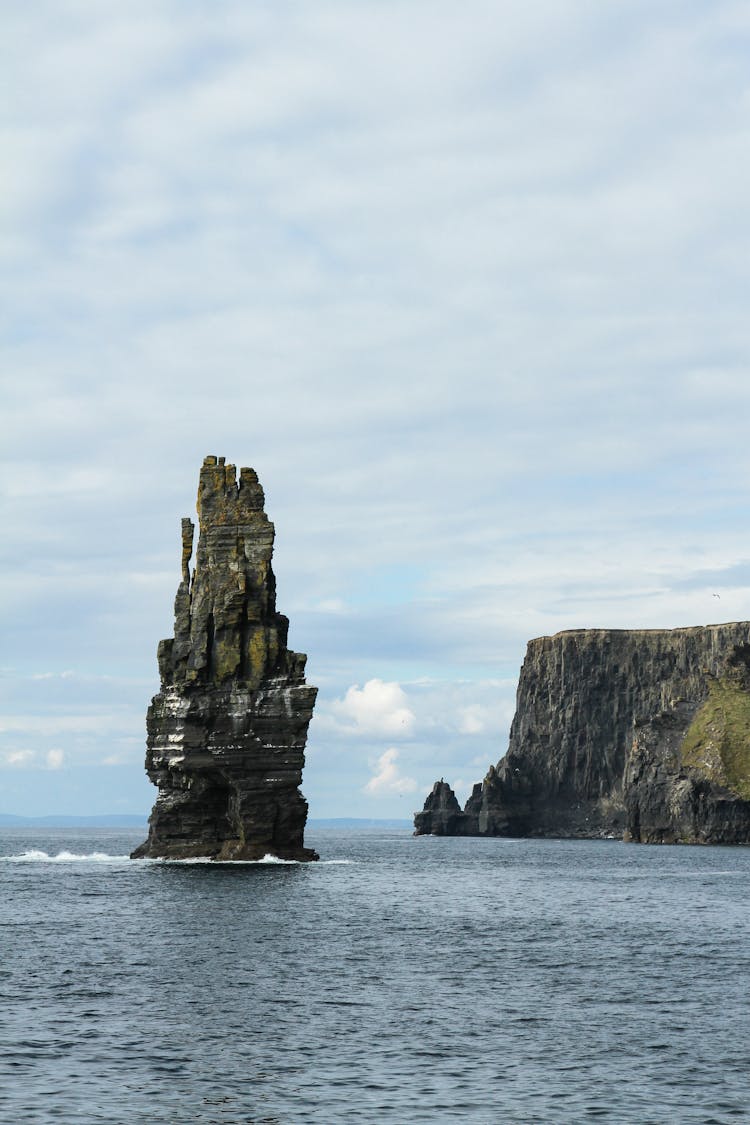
(226, 734)
(641, 734)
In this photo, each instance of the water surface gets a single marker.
(398, 980)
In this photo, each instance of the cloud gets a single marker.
(449, 711)
(469, 295)
(462, 789)
(473, 720)
(377, 708)
(388, 780)
(18, 757)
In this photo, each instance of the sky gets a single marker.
(467, 285)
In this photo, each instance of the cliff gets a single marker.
(226, 734)
(636, 733)
(687, 776)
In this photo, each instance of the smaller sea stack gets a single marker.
(226, 734)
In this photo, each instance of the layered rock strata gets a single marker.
(226, 734)
(637, 733)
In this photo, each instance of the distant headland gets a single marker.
(635, 734)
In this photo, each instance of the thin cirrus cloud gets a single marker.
(469, 294)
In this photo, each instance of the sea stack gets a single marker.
(226, 734)
(639, 734)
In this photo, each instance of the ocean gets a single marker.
(398, 980)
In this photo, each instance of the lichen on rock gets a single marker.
(227, 731)
(717, 743)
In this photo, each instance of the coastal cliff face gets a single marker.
(226, 734)
(624, 733)
(687, 777)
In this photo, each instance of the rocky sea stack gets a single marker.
(227, 731)
(642, 734)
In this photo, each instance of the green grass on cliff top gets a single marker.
(717, 743)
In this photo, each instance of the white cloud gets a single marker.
(377, 708)
(473, 720)
(52, 759)
(388, 779)
(18, 757)
(462, 789)
(452, 710)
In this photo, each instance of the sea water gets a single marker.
(398, 980)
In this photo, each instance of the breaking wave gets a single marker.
(227, 862)
(269, 859)
(36, 856)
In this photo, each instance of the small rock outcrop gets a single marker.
(442, 815)
(637, 733)
(226, 734)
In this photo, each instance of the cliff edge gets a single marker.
(641, 734)
(226, 734)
